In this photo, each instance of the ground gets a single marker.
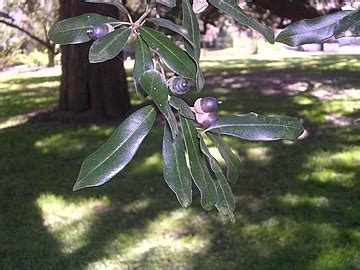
(297, 203)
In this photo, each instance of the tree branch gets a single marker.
(48, 45)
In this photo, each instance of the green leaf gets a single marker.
(176, 171)
(143, 62)
(171, 26)
(233, 163)
(117, 3)
(74, 30)
(118, 151)
(254, 127)
(311, 30)
(168, 3)
(154, 84)
(109, 46)
(174, 58)
(191, 26)
(225, 202)
(182, 107)
(197, 163)
(193, 48)
(232, 8)
(349, 26)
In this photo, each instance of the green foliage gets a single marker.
(9, 45)
(232, 8)
(232, 161)
(225, 202)
(349, 26)
(177, 174)
(253, 127)
(198, 167)
(109, 46)
(151, 80)
(118, 151)
(311, 30)
(190, 23)
(173, 57)
(182, 107)
(74, 30)
(143, 62)
(342, 23)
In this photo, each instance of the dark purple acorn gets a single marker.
(205, 105)
(205, 120)
(179, 85)
(99, 30)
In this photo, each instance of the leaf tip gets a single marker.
(186, 203)
(77, 187)
(232, 217)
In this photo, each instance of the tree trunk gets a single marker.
(100, 89)
(51, 58)
(254, 42)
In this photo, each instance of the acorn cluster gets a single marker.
(204, 109)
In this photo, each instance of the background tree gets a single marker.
(34, 19)
(10, 44)
(99, 89)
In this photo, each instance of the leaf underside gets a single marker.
(254, 127)
(311, 30)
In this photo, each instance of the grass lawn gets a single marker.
(298, 204)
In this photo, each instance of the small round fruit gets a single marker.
(205, 105)
(99, 30)
(179, 85)
(205, 120)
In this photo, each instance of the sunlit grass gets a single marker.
(68, 221)
(26, 92)
(297, 205)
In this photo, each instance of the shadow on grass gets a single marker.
(32, 80)
(16, 102)
(297, 204)
(34, 168)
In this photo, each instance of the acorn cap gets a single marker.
(205, 120)
(179, 85)
(205, 105)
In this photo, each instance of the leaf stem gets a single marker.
(156, 57)
(139, 22)
(117, 24)
(130, 18)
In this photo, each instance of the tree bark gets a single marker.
(51, 58)
(100, 89)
